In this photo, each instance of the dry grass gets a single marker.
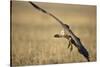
(33, 31)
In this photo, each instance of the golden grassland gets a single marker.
(33, 33)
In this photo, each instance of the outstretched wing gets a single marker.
(44, 11)
(82, 50)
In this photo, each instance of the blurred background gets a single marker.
(33, 33)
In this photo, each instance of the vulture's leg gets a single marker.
(71, 47)
(70, 43)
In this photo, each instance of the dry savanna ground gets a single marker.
(33, 32)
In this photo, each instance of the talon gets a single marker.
(69, 42)
(68, 45)
(71, 48)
